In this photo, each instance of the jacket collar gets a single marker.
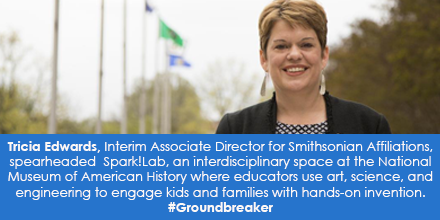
(272, 114)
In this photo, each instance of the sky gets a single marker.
(214, 30)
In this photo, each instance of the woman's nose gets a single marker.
(294, 54)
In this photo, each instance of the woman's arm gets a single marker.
(223, 126)
(383, 127)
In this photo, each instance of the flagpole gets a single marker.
(166, 118)
(143, 96)
(98, 124)
(156, 87)
(165, 95)
(169, 98)
(53, 114)
(169, 94)
(156, 101)
(124, 81)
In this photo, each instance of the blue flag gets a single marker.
(178, 61)
(148, 8)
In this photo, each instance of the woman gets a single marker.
(294, 51)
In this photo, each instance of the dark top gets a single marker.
(343, 117)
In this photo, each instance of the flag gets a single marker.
(148, 8)
(168, 33)
(178, 61)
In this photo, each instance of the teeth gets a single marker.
(296, 69)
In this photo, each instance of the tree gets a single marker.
(12, 53)
(21, 105)
(19, 112)
(186, 112)
(225, 87)
(393, 67)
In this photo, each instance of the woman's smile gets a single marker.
(295, 70)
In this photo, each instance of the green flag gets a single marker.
(168, 33)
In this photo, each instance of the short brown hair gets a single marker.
(306, 13)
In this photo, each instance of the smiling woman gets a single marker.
(294, 51)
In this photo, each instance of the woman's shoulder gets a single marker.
(346, 106)
(253, 119)
(354, 117)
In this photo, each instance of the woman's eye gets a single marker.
(307, 45)
(280, 47)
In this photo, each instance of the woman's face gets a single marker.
(294, 58)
